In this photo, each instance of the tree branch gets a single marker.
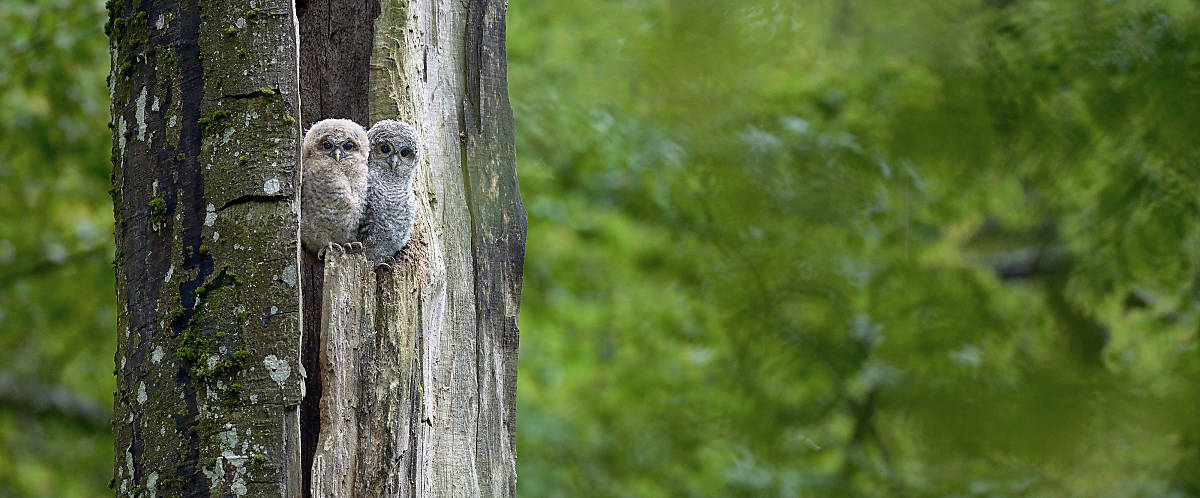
(34, 398)
(46, 266)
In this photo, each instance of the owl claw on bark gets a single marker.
(330, 248)
(386, 263)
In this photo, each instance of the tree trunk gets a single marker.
(437, 369)
(204, 149)
(411, 370)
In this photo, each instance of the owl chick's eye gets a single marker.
(348, 146)
(406, 152)
(326, 145)
(385, 149)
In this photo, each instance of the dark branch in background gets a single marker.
(46, 266)
(1086, 335)
(34, 398)
(1029, 263)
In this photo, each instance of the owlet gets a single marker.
(334, 188)
(391, 206)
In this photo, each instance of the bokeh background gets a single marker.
(776, 248)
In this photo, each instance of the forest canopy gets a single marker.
(775, 248)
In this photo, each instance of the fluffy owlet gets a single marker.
(333, 191)
(391, 206)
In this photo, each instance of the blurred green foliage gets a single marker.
(775, 248)
(56, 284)
(858, 248)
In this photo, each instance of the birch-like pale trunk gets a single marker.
(411, 371)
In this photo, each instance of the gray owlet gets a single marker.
(334, 189)
(391, 206)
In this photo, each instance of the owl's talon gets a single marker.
(385, 266)
(321, 254)
(354, 247)
(329, 248)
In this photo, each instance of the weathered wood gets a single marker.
(441, 65)
(438, 379)
(204, 99)
(389, 449)
(348, 319)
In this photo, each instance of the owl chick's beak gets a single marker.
(394, 160)
(337, 154)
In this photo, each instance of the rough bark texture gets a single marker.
(437, 374)
(204, 96)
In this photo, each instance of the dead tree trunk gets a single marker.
(411, 372)
(433, 377)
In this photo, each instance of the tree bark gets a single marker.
(205, 140)
(411, 370)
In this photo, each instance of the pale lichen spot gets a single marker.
(274, 310)
(171, 121)
(210, 216)
(289, 275)
(154, 104)
(121, 129)
(141, 394)
(161, 22)
(112, 82)
(157, 355)
(170, 272)
(140, 114)
(215, 474)
(152, 479)
(228, 442)
(240, 23)
(154, 187)
(212, 361)
(278, 369)
(228, 133)
(216, 236)
(271, 187)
